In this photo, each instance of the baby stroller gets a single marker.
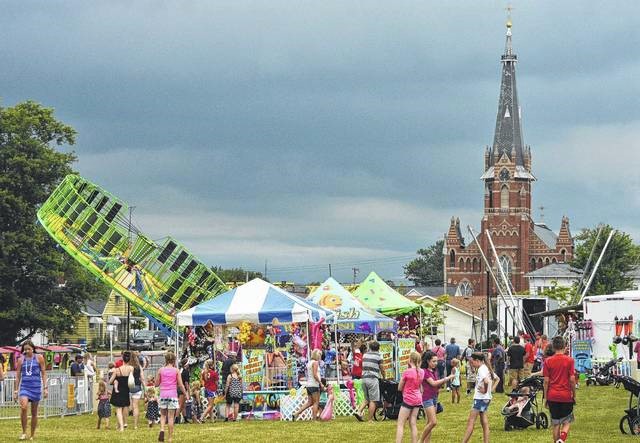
(630, 422)
(391, 401)
(603, 375)
(522, 410)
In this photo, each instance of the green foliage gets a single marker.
(619, 259)
(435, 318)
(235, 274)
(40, 287)
(428, 268)
(566, 296)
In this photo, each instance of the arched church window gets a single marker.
(452, 259)
(467, 265)
(475, 265)
(506, 265)
(553, 260)
(539, 263)
(532, 267)
(464, 289)
(461, 264)
(546, 261)
(504, 197)
(490, 192)
(563, 254)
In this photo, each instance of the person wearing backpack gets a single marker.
(233, 392)
(440, 353)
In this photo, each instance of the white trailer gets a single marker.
(602, 311)
(527, 305)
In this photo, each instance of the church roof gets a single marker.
(508, 133)
(548, 237)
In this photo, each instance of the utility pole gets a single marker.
(265, 268)
(131, 208)
(355, 273)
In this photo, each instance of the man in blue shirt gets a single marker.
(451, 351)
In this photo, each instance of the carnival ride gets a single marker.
(95, 228)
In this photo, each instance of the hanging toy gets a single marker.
(245, 332)
(316, 334)
(327, 412)
(352, 393)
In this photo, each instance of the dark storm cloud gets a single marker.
(329, 131)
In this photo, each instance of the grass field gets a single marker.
(598, 414)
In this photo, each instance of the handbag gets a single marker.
(439, 408)
(131, 381)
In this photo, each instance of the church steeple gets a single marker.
(508, 134)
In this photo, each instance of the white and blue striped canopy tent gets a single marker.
(255, 302)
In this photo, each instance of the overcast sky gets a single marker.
(345, 132)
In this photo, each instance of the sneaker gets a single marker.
(358, 416)
(161, 436)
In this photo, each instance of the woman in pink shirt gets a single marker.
(169, 380)
(430, 387)
(411, 387)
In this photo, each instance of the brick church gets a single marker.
(522, 244)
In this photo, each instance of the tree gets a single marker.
(41, 288)
(428, 268)
(434, 317)
(235, 274)
(621, 257)
(565, 295)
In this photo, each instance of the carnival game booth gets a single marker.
(352, 322)
(275, 331)
(608, 330)
(375, 293)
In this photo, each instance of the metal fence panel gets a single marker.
(67, 396)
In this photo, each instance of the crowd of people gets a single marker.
(166, 396)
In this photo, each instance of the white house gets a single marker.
(458, 322)
(564, 275)
(560, 274)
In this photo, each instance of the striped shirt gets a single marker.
(371, 365)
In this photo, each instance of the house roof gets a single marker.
(433, 291)
(635, 272)
(556, 270)
(545, 234)
(453, 304)
(94, 308)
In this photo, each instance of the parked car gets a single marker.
(149, 340)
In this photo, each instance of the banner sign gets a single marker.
(405, 347)
(581, 353)
(253, 368)
(386, 352)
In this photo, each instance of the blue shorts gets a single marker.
(481, 405)
(429, 403)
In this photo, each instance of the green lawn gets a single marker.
(598, 413)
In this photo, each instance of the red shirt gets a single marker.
(119, 362)
(528, 348)
(559, 368)
(356, 371)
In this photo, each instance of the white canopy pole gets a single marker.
(597, 265)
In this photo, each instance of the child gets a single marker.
(104, 407)
(233, 391)
(210, 382)
(151, 381)
(196, 402)
(153, 411)
(327, 412)
(455, 383)
(111, 370)
(410, 386)
(518, 403)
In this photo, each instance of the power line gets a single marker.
(342, 265)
